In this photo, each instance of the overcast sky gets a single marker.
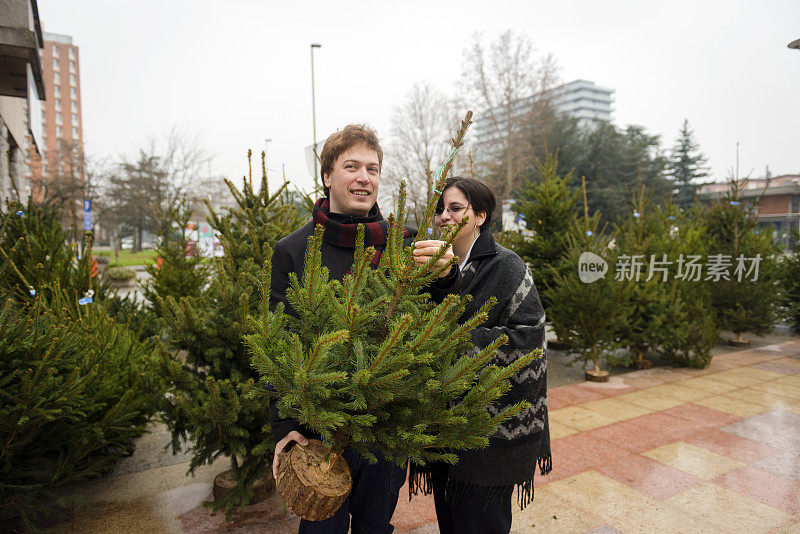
(238, 72)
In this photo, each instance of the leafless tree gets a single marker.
(61, 181)
(507, 84)
(140, 190)
(419, 142)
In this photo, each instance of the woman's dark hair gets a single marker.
(478, 194)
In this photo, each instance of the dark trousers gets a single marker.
(371, 502)
(478, 517)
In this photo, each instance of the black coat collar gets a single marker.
(484, 247)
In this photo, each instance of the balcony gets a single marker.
(20, 41)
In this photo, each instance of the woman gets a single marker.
(475, 494)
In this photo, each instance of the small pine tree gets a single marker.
(547, 204)
(372, 362)
(657, 313)
(790, 282)
(686, 165)
(209, 407)
(37, 259)
(77, 388)
(691, 343)
(589, 315)
(175, 274)
(743, 290)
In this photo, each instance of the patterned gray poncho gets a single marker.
(522, 442)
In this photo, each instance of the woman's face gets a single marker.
(456, 207)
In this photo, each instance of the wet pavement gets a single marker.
(659, 450)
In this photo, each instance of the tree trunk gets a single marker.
(312, 482)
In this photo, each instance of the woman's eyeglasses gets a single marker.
(452, 209)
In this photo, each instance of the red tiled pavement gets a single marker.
(581, 452)
(608, 389)
(630, 436)
(565, 396)
(763, 486)
(412, 514)
(736, 447)
(702, 417)
(650, 477)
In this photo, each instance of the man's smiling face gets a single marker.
(353, 182)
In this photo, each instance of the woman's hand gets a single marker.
(424, 250)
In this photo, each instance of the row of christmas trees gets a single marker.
(182, 354)
(674, 279)
(75, 383)
(83, 370)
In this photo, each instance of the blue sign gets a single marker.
(87, 215)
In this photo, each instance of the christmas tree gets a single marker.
(37, 258)
(175, 274)
(686, 165)
(790, 282)
(656, 311)
(209, 407)
(587, 306)
(684, 242)
(547, 205)
(742, 267)
(77, 388)
(372, 363)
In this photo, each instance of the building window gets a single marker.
(72, 66)
(55, 51)
(58, 104)
(73, 93)
(72, 80)
(57, 89)
(55, 64)
(56, 78)
(74, 119)
(72, 53)
(59, 119)
(59, 132)
(795, 203)
(74, 133)
(74, 107)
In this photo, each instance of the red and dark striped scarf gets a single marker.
(340, 230)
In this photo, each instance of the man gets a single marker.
(351, 168)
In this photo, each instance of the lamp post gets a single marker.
(266, 154)
(314, 113)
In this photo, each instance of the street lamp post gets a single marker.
(314, 114)
(266, 154)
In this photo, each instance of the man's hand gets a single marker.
(294, 435)
(425, 249)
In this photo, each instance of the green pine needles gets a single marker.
(371, 362)
(208, 407)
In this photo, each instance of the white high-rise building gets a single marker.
(584, 100)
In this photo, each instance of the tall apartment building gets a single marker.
(59, 173)
(582, 99)
(21, 91)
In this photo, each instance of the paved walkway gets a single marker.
(662, 450)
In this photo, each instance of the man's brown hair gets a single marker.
(340, 142)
